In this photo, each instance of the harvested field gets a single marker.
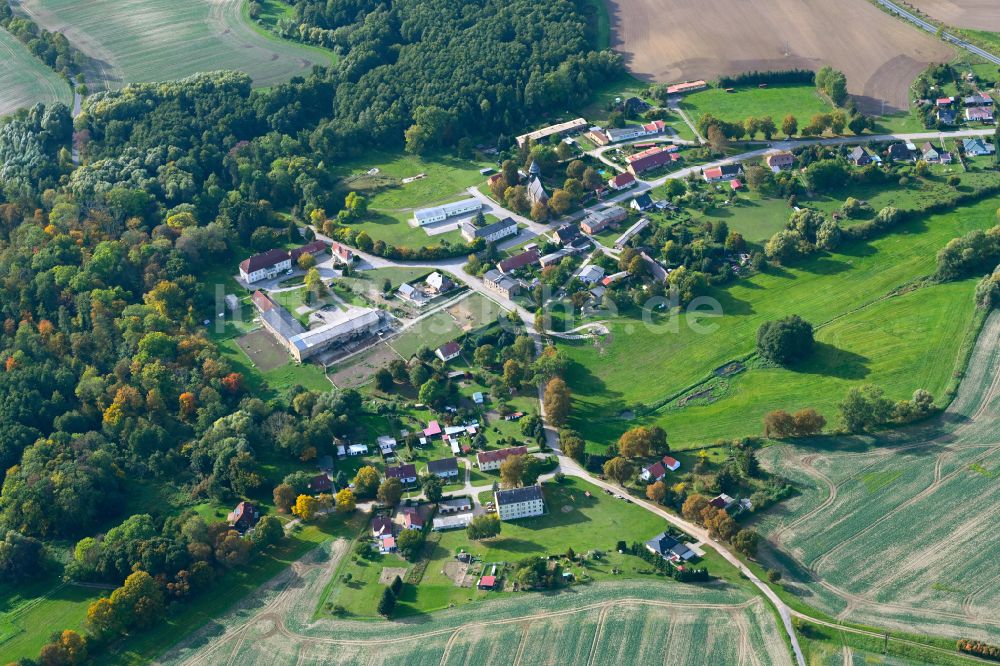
(359, 370)
(131, 41)
(24, 80)
(600, 623)
(677, 40)
(900, 530)
(971, 14)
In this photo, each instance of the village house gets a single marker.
(357, 450)
(722, 501)
(432, 430)
(491, 233)
(341, 253)
(243, 517)
(591, 274)
(641, 203)
(977, 100)
(406, 473)
(977, 147)
(446, 468)
(947, 116)
(500, 283)
(780, 161)
(448, 351)
(979, 114)
(860, 156)
(320, 483)
(929, 153)
(669, 548)
(425, 216)
(517, 262)
(622, 181)
(724, 172)
(659, 469)
(409, 292)
(439, 283)
(386, 444)
(566, 233)
(381, 526)
(519, 502)
(899, 152)
(599, 220)
(490, 460)
(411, 518)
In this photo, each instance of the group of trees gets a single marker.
(976, 253)
(979, 649)
(52, 48)
(866, 408)
(803, 423)
(685, 574)
(833, 83)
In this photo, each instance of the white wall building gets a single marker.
(426, 216)
(520, 502)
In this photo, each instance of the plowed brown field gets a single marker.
(677, 40)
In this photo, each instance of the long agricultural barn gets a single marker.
(426, 216)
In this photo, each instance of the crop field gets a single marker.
(776, 101)
(972, 14)
(678, 40)
(25, 81)
(276, 626)
(644, 368)
(900, 530)
(131, 41)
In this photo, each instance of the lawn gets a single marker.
(159, 40)
(25, 81)
(32, 611)
(446, 325)
(308, 375)
(801, 101)
(393, 228)
(643, 365)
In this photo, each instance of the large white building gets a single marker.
(271, 264)
(426, 216)
(491, 233)
(519, 502)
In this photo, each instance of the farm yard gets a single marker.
(645, 368)
(157, 40)
(25, 81)
(895, 530)
(695, 624)
(676, 40)
(971, 14)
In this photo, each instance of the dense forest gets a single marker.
(109, 224)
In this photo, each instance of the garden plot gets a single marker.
(900, 530)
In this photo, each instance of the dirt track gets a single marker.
(676, 40)
(972, 14)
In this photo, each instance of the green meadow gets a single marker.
(801, 101)
(901, 343)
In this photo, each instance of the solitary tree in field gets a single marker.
(778, 424)
(387, 603)
(785, 341)
(790, 125)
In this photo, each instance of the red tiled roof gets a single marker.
(433, 428)
(622, 179)
(502, 454)
(313, 248)
(262, 301)
(263, 260)
(656, 470)
(487, 581)
(670, 462)
(449, 349)
(714, 172)
(518, 261)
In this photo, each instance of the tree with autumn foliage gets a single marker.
(345, 501)
(305, 507)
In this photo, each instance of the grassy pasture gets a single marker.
(25, 81)
(899, 522)
(801, 101)
(642, 365)
(29, 613)
(157, 40)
